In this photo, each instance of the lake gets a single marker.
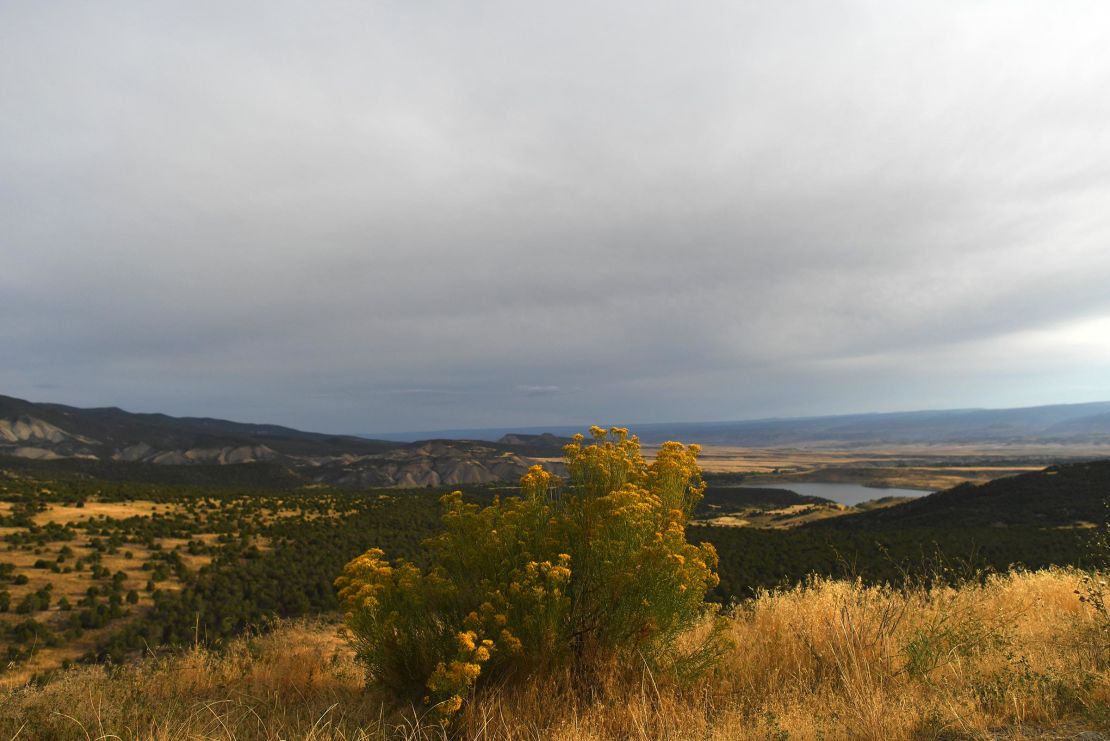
(850, 494)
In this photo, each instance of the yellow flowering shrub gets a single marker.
(570, 574)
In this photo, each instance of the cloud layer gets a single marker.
(388, 216)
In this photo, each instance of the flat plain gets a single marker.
(924, 467)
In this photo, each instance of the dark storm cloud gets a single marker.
(384, 216)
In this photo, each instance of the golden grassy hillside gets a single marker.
(1019, 657)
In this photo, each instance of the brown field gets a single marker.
(929, 468)
(783, 517)
(1021, 657)
(62, 514)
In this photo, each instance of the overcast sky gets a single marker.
(385, 216)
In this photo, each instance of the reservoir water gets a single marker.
(850, 494)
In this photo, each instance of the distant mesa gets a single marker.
(538, 445)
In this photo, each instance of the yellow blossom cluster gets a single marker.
(362, 580)
(452, 680)
(537, 482)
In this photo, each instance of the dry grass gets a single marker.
(300, 681)
(61, 514)
(1019, 657)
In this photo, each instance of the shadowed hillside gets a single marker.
(1070, 494)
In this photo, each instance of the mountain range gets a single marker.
(53, 432)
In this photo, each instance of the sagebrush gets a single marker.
(577, 575)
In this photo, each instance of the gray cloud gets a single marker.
(385, 216)
(539, 390)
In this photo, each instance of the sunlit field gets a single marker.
(1021, 656)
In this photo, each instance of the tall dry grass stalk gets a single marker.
(1020, 656)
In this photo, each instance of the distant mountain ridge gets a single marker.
(1065, 423)
(46, 432)
(1087, 423)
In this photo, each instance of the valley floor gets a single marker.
(924, 467)
(1020, 656)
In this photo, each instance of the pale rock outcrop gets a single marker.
(134, 453)
(29, 429)
(36, 454)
